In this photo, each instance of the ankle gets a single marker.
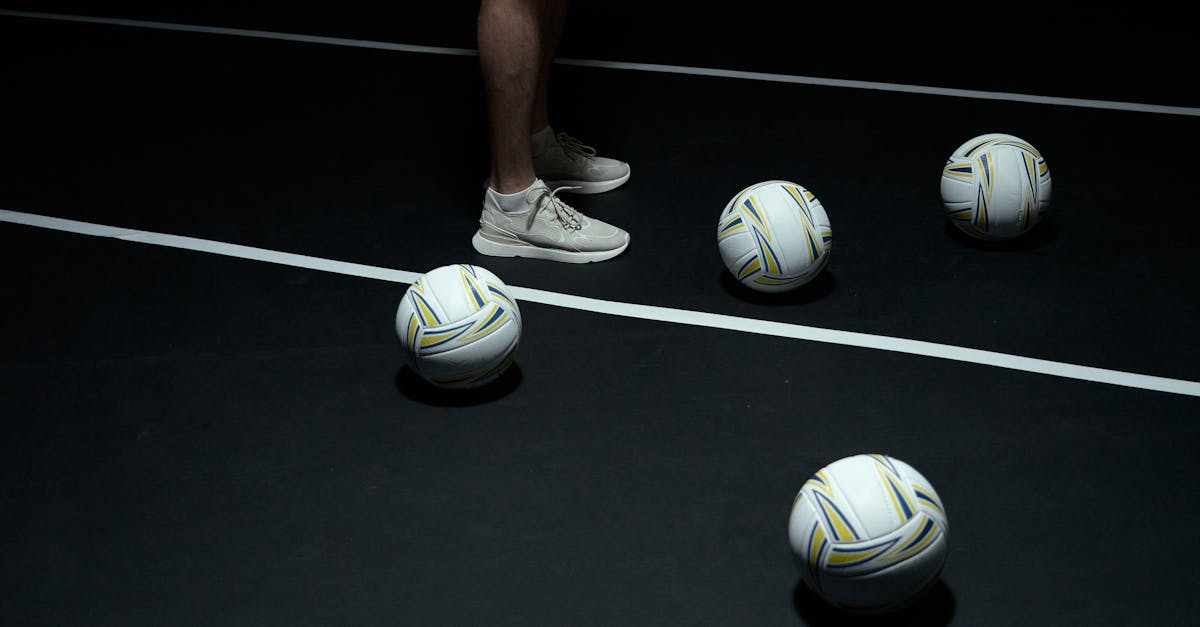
(511, 201)
(511, 185)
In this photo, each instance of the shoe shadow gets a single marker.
(819, 287)
(1042, 234)
(413, 387)
(935, 609)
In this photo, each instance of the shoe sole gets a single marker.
(491, 248)
(588, 187)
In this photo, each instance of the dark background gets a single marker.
(191, 439)
(1137, 53)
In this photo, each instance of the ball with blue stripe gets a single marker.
(774, 236)
(995, 187)
(459, 326)
(869, 534)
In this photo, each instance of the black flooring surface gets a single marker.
(199, 440)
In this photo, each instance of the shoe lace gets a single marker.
(574, 148)
(564, 213)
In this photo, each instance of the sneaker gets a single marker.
(567, 163)
(548, 229)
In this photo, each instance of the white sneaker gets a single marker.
(547, 229)
(567, 163)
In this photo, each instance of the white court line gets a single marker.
(630, 310)
(662, 314)
(241, 32)
(641, 67)
(896, 87)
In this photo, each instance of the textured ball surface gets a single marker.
(774, 236)
(459, 326)
(995, 187)
(869, 534)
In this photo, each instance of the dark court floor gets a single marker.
(200, 439)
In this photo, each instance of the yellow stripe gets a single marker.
(840, 557)
(487, 330)
(1024, 146)
(758, 210)
(769, 280)
(889, 480)
(751, 268)
(929, 538)
(814, 545)
(427, 317)
(413, 328)
(771, 261)
(931, 501)
(472, 288)
(952, 170)
(841, 528)
(434, 339)
(804, 203)
(737, 228)
(820, 487)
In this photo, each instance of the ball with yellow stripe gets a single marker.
(774, 236)
(459, 326)
(869, 533)
(996, 187)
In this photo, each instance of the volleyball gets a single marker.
(459, 326)
(774, 236)
(995, 187)
(869, 534)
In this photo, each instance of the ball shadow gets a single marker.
(413, 387)
(934, 609)
(1043, 233)
(819, 287)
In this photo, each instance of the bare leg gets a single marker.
(510, 57)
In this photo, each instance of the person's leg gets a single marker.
(510, 59)
(558, 159)
(521, 216)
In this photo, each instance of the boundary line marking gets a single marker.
(630, 310)
(620, 65)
